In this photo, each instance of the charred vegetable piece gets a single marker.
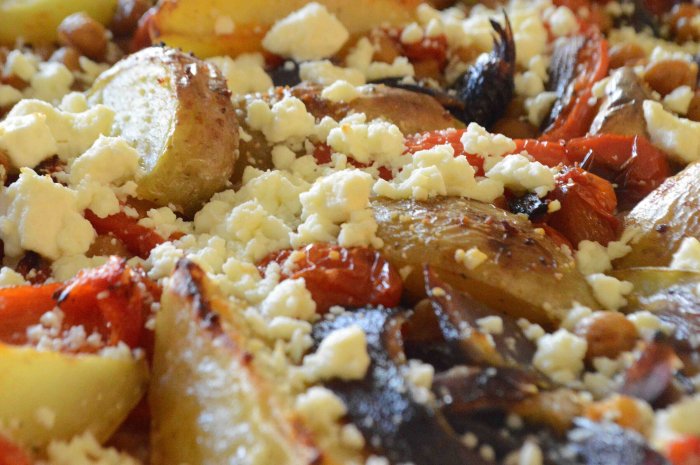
(381, 405)
(464, 390)
(665, 217)
(529, 204)
(651, 374)
(349, 277)
(622, 112)
(458, 316)
(486, 88)
(607, 443)
(562, 72)
(572, 115)
(522, 264)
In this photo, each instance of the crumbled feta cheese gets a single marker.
(563, 22)
(360, 58)
(43, 216)
(342, 354)
(412, 34)
(74, 132)
(530, 454)
(51, 83)
(491, 147)
(9, 277)
(687, 257)
(326, 73)
(310, 33)
(165, 222)
(85, 450)
(648, 324)
(530, 35)
(377, 141)
(74, 102)
(9, 96)
(27, 140)
(519, 174)
(21, 64)
(560, 355)
(436, 172)
(340, 91)
(110, 160)
(679, 137)
(677, 421)
(286, 120)
(490, 324)
(471, 258)
(244, 74)
(577, 313)
(290, 298)
(320, 408)
(67, 267)
(539, 107)
(609, 291)
(420, 374)
(528, 84)
(679, 100)
(337, 205)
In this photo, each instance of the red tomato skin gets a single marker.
(349, 277)
(138, 239)
(12, 454)
(685, 451)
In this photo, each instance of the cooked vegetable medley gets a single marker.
(368, 232)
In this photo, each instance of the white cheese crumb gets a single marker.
(538, 107)
(563, 22)
(67, 267)
(490, 324)
(290, 298)
(679, 100)
(471, 258)
(310, 33)
(85, 450)
(609, 291)
(377, 141)
(9, 95)
(326, 73)
(224, 25)
(9, 277)
(320, 408)
(342, 354)
(687, 257)
(244, 74)
(286, 120)
(360, 58)
(560, 355)
(110, 160)
(20, 64)
(50, 83)
(27, 140)
(679, 137)
(648, 324)
(45, 417)
(491, 147)
(340, 91)
(519, 174)
(412, 34)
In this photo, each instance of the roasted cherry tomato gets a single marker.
(349, 277)
(685, 451)
(428, 140)
(138, 239)
(12, 454)
(588, 203)
(112, 300)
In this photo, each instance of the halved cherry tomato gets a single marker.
(112, 300)
(349, 277)
(588, 204)
(550, 153)
(138, 239)
(592, 66)
(685, 451)
(12, 454)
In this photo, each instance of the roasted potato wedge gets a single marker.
(209, 398)
(176, 111)
(36, 21)
(664, 218)
(47, 395)
(522, 268)
(621, 111)
(191, 24)
(410, 111)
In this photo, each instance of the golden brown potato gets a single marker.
(410, 111)
(46, 395)
(211, 401)
(658, 289)
(525, 274)
(36, 21)
(621, 111)
(664, 218)
(176, 111)
(191, 24)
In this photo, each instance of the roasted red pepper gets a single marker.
(12, 454)
(685, 451)
(139, 240)
(349, 277)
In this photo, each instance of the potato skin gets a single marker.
(36, 21)
(85, 392)
(525, 275)
(664, 218)
(185, 128)
(209, 398)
